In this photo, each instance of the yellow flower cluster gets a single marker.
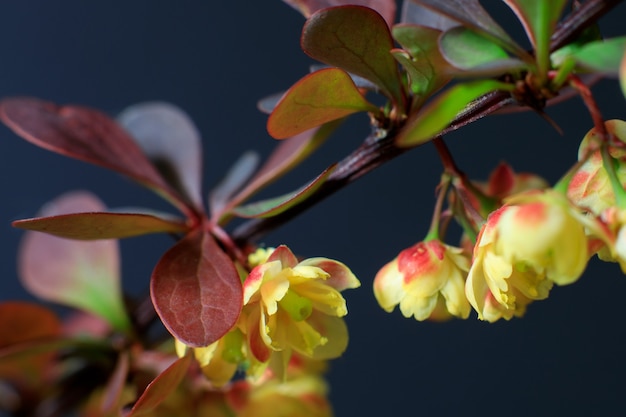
(290, 307)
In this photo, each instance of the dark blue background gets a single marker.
(215, 59)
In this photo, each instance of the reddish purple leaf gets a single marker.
(84, 275)
(274, 206)
(386, 8)
(85, 134)
(196, 290)
(28, 337)
(168, 136)
(415, 14)
(162, 386)
(101, 225)
(287, 155)
(233, 181)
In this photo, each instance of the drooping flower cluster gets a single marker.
(535, 240)
(427, 280)
(290, 308)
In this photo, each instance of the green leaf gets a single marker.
(325, 95)
(420, 73)
(539, 18)
(84, 275)
(622, 74)
(273, 206)
(468, 50)
(426, 62)
(356, 39)
(601, 56)
(471, 14)
(101, 225)
(438, 114)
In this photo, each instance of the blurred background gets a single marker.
(215, 60)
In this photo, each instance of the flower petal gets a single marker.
(341, 277)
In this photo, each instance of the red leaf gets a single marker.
(101, 225)
(386, 8)
(274, 206)
(196, 290)
(28, 337)
(160, 388)
(85, 134)
(115, 385)
(287, 155)
(26, 322)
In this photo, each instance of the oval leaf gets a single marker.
(539, 19)
(101, 225)
(274, 206)
(159, 389)
(85, 134)
(471, 14)
(601, 56)
(442, 110)
(423, 44)
(196, 290)
(168, 136)
(358, 40)
(287, 155)
(320, 97)
(233, 181)
(416, 14)
(466, 49)
(22, 322)
(83, 275)
(386, 8)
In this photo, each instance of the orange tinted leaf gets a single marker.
(196, 290)
(325, 95)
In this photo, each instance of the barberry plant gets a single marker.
(248, 329)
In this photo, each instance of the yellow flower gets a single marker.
(423, 277)
(218, 361)
(291, 305)
(302, 395)
(535, 240)
(590, 187)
